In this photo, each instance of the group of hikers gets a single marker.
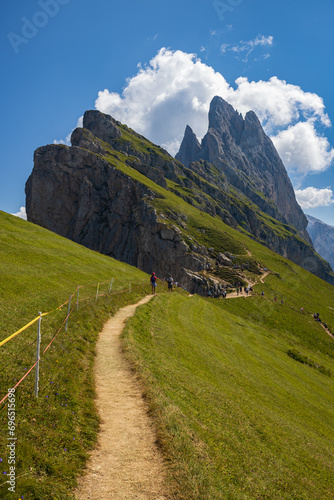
(170, 283)
(316, 317)
(216, 292)
(247, 289)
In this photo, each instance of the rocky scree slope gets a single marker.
(104, 190)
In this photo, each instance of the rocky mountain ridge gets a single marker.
(115, 192)
(241, 150)
(322, 236)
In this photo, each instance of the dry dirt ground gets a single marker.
(126, 463)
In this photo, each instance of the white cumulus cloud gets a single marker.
(176, 88)
(22, 213)
(277, 103)
(312, 197)
(302, 149)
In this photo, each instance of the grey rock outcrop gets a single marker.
(101, 125)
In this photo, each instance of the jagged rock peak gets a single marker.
(247, 157)
(101, 125)
(225, 119)
(190, 147)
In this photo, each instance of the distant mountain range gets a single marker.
(323, 238)
(116, 192)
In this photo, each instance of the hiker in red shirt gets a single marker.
(153, 281)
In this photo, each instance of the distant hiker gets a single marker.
(153, 280)
(275, 299)
(170, 283)
(301, 309)
(262, 293)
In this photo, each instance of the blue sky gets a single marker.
(156, 65)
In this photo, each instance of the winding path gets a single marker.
(126, 464)
(242, 294)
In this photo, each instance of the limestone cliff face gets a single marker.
(78, 195)
(241, 150)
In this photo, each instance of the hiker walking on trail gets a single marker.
(170, 283)
(153, 280)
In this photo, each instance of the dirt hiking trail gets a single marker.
(126, 464)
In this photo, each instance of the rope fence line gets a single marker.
(65, 321)
(31, 323)
(60, 307)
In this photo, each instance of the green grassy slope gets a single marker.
(39, 271)
(239, 418)
(185, 374)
